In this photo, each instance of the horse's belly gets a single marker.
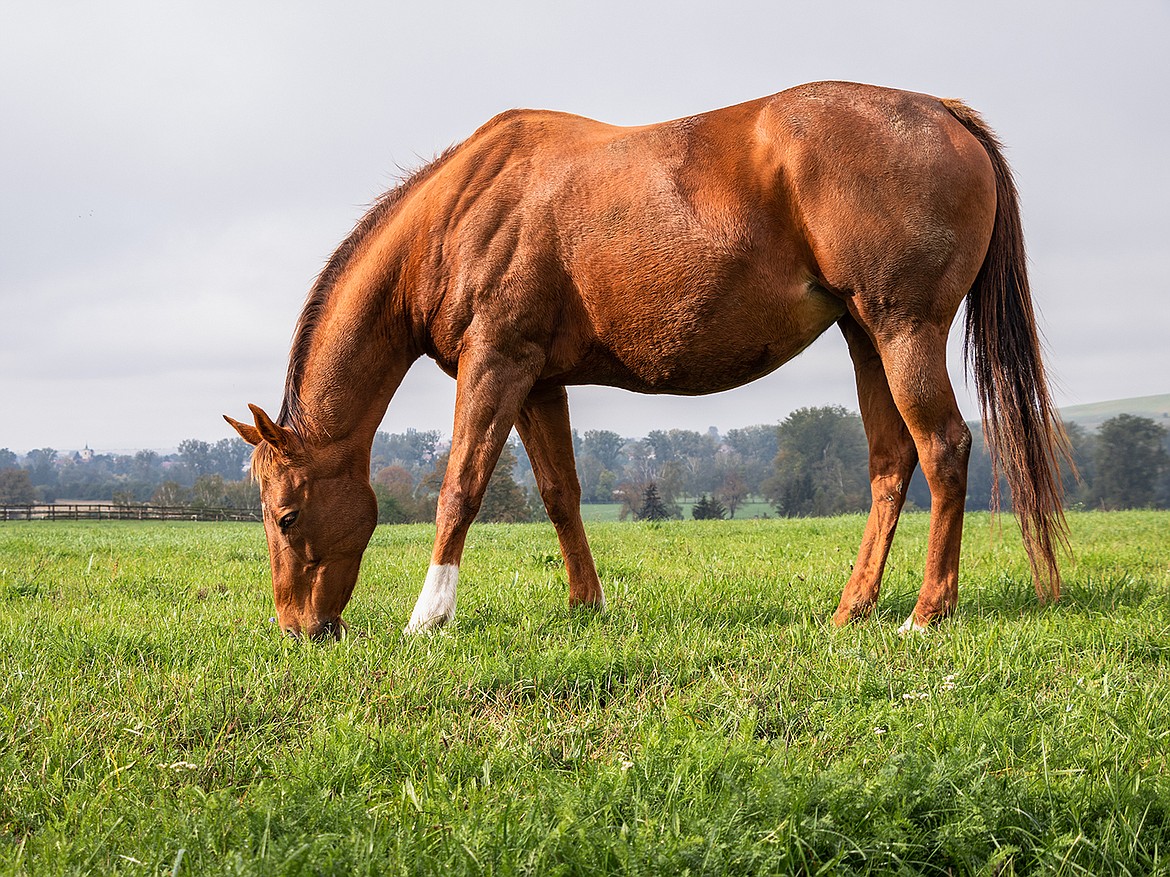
(707, 348)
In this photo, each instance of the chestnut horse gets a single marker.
(686, 257)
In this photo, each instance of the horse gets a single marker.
(687, 257)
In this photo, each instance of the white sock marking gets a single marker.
(910, 625)
(436, 601)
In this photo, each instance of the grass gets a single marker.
(152, 720)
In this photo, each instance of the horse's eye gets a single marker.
(287, 521)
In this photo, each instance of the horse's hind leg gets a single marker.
(892, 458)
(915, 366)
(544, 427)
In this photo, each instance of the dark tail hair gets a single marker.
(1022, 428)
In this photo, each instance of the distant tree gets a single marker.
(16, 488)
(708, 509)
(8, 460)
(427, 492)
(821, 466)
(390, 507)
(505, 501)
(755, 448)
(42, 466)
(653, 508)
(1130, 462)
(629, 495)
(230, 456)
(197, 458)
(170, 493)
(414, 450)
(397, 503)
(1083, 445)
(732, 491)
(242, 494)
(145, 466)
(396, 479)
(641, 464)
(604, 446)
(208, 492)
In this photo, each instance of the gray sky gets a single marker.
(175, 175)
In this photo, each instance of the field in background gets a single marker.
(1093, 414)
(152, 720)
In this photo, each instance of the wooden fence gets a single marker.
(111, 512)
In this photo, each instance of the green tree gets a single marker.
(1130, 462)
(208, 492)
(414, 450)
(708, 510)
(145, 466)
(197, 458)
(16, 488)
(604, 446)
(397, 503)
(754, 448)
(390, 507)
(8, 459)
(653, 508)
(170, 493)
(42, 466)
(505, 501)
(242, 494)
(230, 456)
(821, 466)
(732, 491)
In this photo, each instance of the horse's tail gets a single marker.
(1023, 431)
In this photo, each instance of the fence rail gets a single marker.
(112, 512)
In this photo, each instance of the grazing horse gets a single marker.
(685, 257)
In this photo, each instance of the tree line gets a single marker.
(815, 462)
(200, 475)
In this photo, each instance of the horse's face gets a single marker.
(319, 514)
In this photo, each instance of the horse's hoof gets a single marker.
(911, 625)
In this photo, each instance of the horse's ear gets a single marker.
(277, 436)
(247, 432)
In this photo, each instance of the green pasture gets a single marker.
(152, 720)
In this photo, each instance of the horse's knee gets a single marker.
(562, 502)
(457, 507)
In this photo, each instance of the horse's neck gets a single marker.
(359, 353)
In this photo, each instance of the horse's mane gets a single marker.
(292, 415)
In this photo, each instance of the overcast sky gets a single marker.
(175, 175)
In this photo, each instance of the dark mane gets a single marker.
(291, 413)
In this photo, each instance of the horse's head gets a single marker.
(319, 514)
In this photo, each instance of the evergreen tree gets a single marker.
(708, 509)
(505, 501)
(653, 508)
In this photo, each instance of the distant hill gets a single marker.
(1091, 416)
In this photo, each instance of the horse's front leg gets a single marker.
(544, 427)
(489, 392)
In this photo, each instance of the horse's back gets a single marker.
(697, 254)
